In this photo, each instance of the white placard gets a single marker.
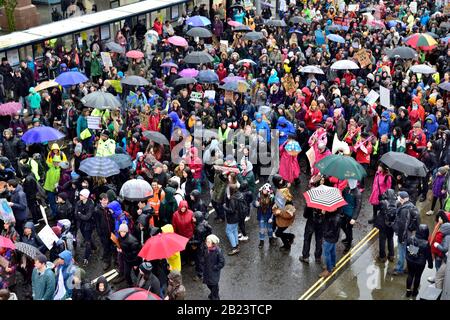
(385, 97)
(106, 59)
(413, 7)
(13, 57)
(94, 123)
(210, 94)
(353, 7)
(372, 97)
(48, 237)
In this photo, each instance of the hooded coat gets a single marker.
(182, 222)
(444, 245)
(420, 239)
(195, 163)
(102, 295)
(174, 260)
(260, 125)
(168, 206)
(175, 289)
(67, 269)
(384, 125)
(285, 128)
(430, 126)
(118, 216)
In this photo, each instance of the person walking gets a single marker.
(18, 204)
(214, 262)
(381, 183)
(351, 211)
(314, 226)
(331, 229)
(406, 222)
(418, 253)
(264, 204)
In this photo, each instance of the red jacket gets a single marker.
(153, 122)
(195, 163)
(222, 73)
(312, 119)
(182, 222)
(340, 184)
(158, 27)
(364, 156)
(411, 148)
(141, 168)
(133, 149)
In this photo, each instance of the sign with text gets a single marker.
(385, 97)
(289, 83)
(106, 59)
(363, 58)
(48, 237)
(196, 96)
(94, 123)
(372, 97)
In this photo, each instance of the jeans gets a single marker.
(310, 229)
(386, 235)
(329, 252)
(232, 234)
(265, 227)
(51, 197)
(401, 257)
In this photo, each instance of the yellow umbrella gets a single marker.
(46, 85)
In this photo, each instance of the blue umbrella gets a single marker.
(71, 78)
(446, 39)
(207, 76)
(393, 23)
(99, 167)
(335, 38)
(198, 21)
(42, 134)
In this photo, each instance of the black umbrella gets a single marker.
(236, 5)
(276, 23)
(101, 100)
(444, 86)
(198, 57)
(99, 167)
(115, 47)
(404, 163)
(123, 160)
(199, 32)
(254, 36)
(298, 19)
(184, 81)
(402, 52)
(242, 28)
(27, 249)
(156, 137)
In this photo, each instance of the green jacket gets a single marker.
(250, 178)
(35, 99)
(96, 67)
(52, 178)
(43, 284)
(219, 188)
(81, 125)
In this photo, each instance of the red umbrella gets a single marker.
(6, 243)
(10, 108)
(133, 294)
(163, 246)
(135, 54)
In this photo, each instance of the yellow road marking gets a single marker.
(344, 260)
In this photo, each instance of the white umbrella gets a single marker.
(344, 65)
(422, 68)
(245, 61)
(311, 69)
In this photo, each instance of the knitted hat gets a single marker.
(403, 195)
(123, 227)
(85, 193)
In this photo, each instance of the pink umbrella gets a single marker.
(188, 73)
(234, 23)
(135, 54)
(10, 108)
(178, 41)
(233, 79)
(169, 65)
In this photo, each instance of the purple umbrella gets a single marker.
(233, 79)
(188, 73)
(42, 134)
(169, 65)
(71, 78)
(198, 21)
(10, 108)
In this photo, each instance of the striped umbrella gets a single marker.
(99, 167)
(421, 41)
(324, 198)
(136, 189)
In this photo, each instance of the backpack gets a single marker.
(390, 213)
(129, 218)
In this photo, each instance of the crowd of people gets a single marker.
(281, 102)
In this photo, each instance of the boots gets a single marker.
(408, 293)
(261, 244)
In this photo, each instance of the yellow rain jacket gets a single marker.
(175, 260)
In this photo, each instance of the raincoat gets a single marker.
(174, 260)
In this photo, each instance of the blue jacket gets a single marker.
(430, 127)
(385, 125)
(67, 269)
(273, 78)
(118, 216)
(176, 122)
(263, 125)
(288, 129)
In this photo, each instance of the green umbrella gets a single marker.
(341, 167)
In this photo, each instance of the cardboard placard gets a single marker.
(363, 58)
(229, 169)
(6, 213)
(229, 96)
(289, 83)
(372, 97)
(48, 237)
(385, 97)
(106, 59)
(196, 96)
(94, 123)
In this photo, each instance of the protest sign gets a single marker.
(4, 263)
(385, 97)
(48, 237)
(372, 97)
(106, 59)
(6, 213)
(224, 46)
(229, 96)
(363, 58)
(196, 96)
(94, 123)
(353, 7)
(227, 169)
(289, 83)
(210, 94)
